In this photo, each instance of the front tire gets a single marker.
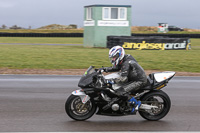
(159, 99)
(77, 110)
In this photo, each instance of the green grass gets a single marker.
(42, 40)
(195, 42)
(66, 57)
(51, 57)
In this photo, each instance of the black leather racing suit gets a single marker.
(133, 76)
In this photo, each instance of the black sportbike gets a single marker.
(97, 95)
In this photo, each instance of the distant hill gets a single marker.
(155, 29)
(144, 28)
(58, 27)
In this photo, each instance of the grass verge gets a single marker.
(77, 57)
(42, 40)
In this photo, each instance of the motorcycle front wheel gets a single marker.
(77, 110)
(159, 99)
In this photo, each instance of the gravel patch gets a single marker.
(72, 72)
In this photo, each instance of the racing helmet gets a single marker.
(116, 54)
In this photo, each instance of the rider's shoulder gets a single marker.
(132, 62)
(129, 57)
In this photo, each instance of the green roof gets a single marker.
(108, 6)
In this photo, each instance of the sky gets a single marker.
(37, 13)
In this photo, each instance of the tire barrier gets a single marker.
(41, 34)
(2, 34)
(169, 35)
(149, 43)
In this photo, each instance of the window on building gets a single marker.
(89, 13)
(122, 13)
(106, 13)
(114, 13)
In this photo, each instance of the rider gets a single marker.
(132, 74)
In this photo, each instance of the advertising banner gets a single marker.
(113, 23)
(149, 43)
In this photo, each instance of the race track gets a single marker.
(32, 103)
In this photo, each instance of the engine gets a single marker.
(115, 107)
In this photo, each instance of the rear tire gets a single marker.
(160, 99)
(77, 110)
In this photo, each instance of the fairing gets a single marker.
(112, 76)
(159, 77)
(82, 95)
(86, 80)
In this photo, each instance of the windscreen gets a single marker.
(89, 70)
(87, 78)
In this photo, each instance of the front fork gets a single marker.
(82, 95)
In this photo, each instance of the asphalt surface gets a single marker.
(31, 103)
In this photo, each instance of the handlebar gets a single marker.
(100, 70)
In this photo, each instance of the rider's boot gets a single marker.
(136, 104)
(125, 96)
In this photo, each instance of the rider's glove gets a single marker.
(101, 70)
(107, 69)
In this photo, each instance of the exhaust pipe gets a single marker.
(147, 107)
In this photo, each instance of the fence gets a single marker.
(41, 34)
(170, 35)
(81, 35)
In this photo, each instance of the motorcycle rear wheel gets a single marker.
(159, 99)
(77, 110)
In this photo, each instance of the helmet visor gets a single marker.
(114, 58)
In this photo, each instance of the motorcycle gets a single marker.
(97, 95)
